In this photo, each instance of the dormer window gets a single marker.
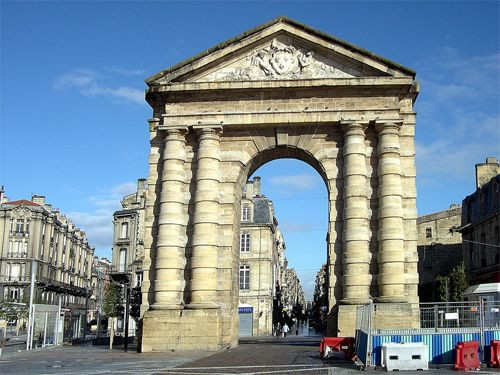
(245, 213)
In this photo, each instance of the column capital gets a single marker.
(207, 129)
(350, 125)
(392, 125)
(175, 132)
(153, 123)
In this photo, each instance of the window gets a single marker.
(428, 232)
(245, 242)
(19, 225)
(123, 260)
(11, 225)
(245, 277)
(27, 227)
(13, 294)
(245, 213)
(138, 279)
(124, 232)
(14, 271)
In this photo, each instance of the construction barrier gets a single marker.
(337, 344)
(467, 356)
(494, 353)
(405, 356)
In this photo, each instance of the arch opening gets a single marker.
(302, 224)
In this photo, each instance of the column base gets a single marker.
(167, 330)
(346, 321)
(396, 316)
(354, 301)
(160, 306)
(391, 299)
(197, 306)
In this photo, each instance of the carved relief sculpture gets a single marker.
(280, 60)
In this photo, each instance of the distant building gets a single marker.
(439, 248)
(481, 225)
(319, 305)
(128, 243)
(128, 234)
(268, 289)
(101, 268)
(33, 231)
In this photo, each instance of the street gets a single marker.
(256, 355)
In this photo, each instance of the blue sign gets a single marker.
(242, 310)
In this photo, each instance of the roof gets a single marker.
(291, 22)
(483, 288)
(21, 202)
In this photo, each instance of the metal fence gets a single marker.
(438, 325)
(476, 314)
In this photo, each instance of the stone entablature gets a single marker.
(358, 133)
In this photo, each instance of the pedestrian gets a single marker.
(285, 329)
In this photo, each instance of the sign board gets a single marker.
(451, 316)
(242, 310)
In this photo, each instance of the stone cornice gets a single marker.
(381, 82)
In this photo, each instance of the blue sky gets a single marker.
(73, 119)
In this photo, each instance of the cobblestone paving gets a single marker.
(294, 355)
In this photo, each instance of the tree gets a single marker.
(451, 287)
(458, 283)
(135, 302)
(111, 307)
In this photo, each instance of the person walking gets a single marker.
(285, 329)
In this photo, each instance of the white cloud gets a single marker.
(98, 221)
(97, 225)
(459, 115)
(298, 182)
(123, 189)
(90, 83)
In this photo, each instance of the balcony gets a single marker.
(20, 234)
(14, 279)
(17, 254)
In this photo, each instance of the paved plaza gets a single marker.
(294, 355)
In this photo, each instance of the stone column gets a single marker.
(206, 239)
(170, 247)
(391, 276)
(356, 233)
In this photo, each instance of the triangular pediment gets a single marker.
(280, 50)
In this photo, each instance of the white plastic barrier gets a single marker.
(405, 356)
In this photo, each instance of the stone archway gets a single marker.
(280, 90)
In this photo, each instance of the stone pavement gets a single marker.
(257, 355)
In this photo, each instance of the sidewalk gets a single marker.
(93, 360)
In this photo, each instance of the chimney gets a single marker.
(38, 199)
(3, 198)
(142, 184)
(486, 171)
(256, 186)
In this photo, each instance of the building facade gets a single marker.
(101, 268)
(439, 248)
(34, 234)
(128, 235)
(481, 226)
(266, 285)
